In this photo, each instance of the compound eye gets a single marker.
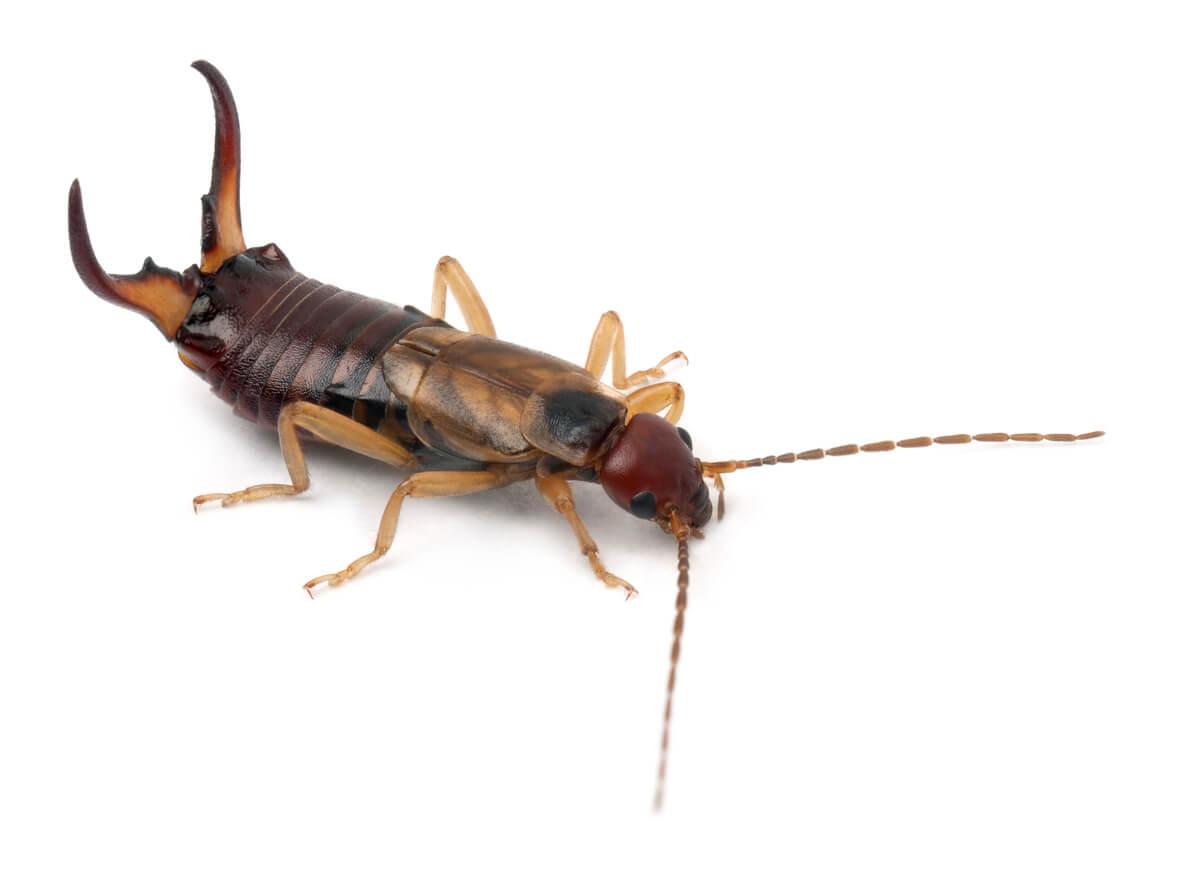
(685, 437)
(643, 505)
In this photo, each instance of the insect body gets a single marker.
(464, 410)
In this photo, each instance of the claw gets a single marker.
(657, 372)
(335, 580)
(225, 499)
(614, 582)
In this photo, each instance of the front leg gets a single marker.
(667, 396)
(556, 490)
(609, 344)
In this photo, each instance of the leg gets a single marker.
(655, 398)
(449, 275)
(329, 426)
(422, 484)
(609, 343)
(556, 490)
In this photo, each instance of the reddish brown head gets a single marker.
(650, 471)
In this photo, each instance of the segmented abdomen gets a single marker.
(301, 340)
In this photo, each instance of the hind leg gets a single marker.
(329, 426)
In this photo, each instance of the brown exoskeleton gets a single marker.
(465, 411)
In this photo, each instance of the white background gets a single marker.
(861, 221)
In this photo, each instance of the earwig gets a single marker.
(464, 411)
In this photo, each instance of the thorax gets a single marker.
(490, 400)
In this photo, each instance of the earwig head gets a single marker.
(165, 296)
(651, 472)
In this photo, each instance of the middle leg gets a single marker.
(421, 484)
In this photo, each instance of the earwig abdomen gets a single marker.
(263, 335)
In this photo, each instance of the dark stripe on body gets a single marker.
(366, 350)
(317, 373)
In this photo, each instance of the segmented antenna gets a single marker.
(718, 468)
(681, 532)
